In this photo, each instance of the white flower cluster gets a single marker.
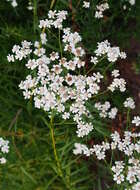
(100, 9)
(13, 3)
(117, 83)
(112, 53)
(105, 6)
(55, 19)
(104, 110)
(115, 73)
(132, 2)
(127, 172)
(136, 120)
(129, 103)
(81, 149)
(86, 4)
(20, 52)
(128, 145)
(54, 82)
(118, 169)
(4, 147)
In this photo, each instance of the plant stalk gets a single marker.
(54, 148)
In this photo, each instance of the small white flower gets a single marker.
(100, 9)
(115, 73)
(69, 79)
(83, 129)
(123, 55)
(113, 112)
(81, 148)
(102, 48)
(43, 38)
(10, 58)
(52, 14)
(94, 60)
(118, 83)
(119, 178)
(115, 137)
(66, 115)
(54, 56)
(136, 120)
(86, 4)
(14, 3)
(2, 160)
(129, 103)
(124, 7)
(132, 2)
(113, 54)
(98, 14)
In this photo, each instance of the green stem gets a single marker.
(111, 159)
(95, 65)
(51, 125)
(52, 4)
(60, 46)
(59, 170)
(128, 118)
(60, 173)
(109, 65)
(35, 19)
(63, 123)
(104, 92)
(54, 147)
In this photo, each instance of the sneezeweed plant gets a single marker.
(60, 84)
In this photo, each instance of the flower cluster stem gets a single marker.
(60, 45)
(52, 4)
(35, 18)
(54, 148)
(128, 118)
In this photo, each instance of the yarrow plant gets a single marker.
(59, 83)
(55, 84)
